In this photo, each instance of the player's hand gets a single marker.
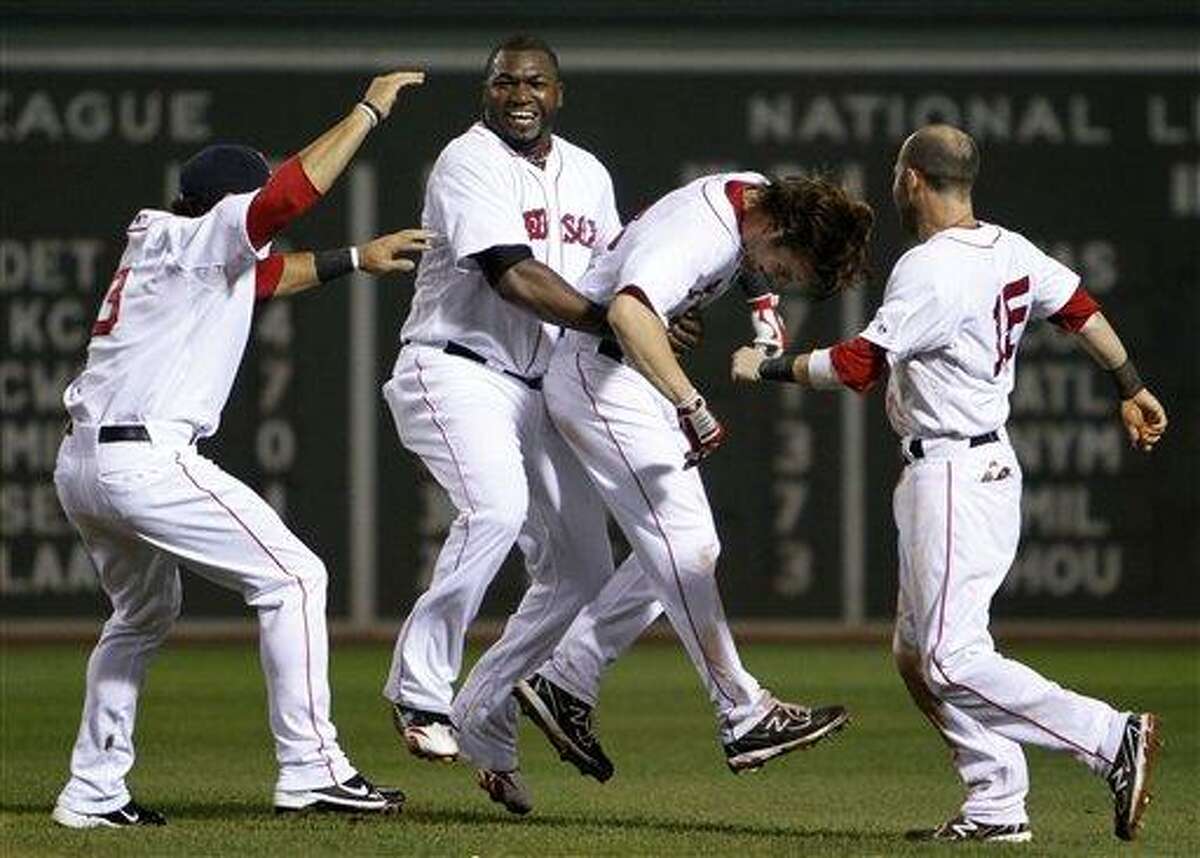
(704, 432)
(1145, 420)
(382, 92)
(685, 332)
(746, 362)
(769, 332)
(383, 255)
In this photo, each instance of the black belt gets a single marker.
(611, 349)
(130, 432)
(458, 350)
(916, 448)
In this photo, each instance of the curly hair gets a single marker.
(819, 220)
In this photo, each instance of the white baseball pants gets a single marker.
(958, 517)
(601, 632)
(486, 439)
(627, 437)
(143, 508)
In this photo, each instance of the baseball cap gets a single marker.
(222, 169)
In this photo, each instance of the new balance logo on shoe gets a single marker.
(1129, 777)
(961, 829)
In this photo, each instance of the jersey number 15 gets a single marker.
(1008, 317)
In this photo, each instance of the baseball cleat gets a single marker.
(428, 735)
(960, 830)
(129, 816)
(506, 788)
(353, 795)
(785, 728)
(1129, 777)
(567, 722)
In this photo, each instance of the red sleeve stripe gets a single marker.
(735, 191)
(859, 363)
(267, 274)
(1080, 307)
(288, 194)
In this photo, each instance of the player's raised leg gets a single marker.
(969, 533)
(439, 403)
(561, 696)
(626, 436)
(569, 557)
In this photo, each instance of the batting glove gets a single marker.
(704, 432)
(769, 332)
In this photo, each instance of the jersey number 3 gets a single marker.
(1008, 317)
(110, 310)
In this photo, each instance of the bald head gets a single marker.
(946, 156)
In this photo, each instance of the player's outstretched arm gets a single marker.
(855, 364)
(326, 157)
(1143, 415)
(300, 181)
(287, 273)
(540, 290)
(644, 341)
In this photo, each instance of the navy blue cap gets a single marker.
(223, 169)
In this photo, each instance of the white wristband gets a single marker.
(354, 257)
(821, 374)
(371, 115)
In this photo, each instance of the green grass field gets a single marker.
(205, 759)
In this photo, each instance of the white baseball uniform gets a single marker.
(161, 362)
(953, 314)
(466, 397)
(682, 253)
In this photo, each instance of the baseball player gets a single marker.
(162, 358)
(561, 696)
(953, 314)
(521, 212)
(638, 426)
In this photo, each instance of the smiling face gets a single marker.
(521, 95)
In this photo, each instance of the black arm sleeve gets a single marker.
(499, 258)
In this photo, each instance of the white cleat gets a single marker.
(428, 735)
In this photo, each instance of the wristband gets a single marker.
(778, 368)
(1127, 380)
(332, 264)
(371, 111)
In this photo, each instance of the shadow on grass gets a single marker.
(645, 823)
(250, 813)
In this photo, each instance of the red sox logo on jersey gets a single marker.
(576, 229)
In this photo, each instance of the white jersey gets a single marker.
(171, 331)
(682, 252)
(952, 316)
(481, 194)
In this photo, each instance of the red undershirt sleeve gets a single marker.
(858, 363)
(267, 274)
(288, 194)
(1080, 307)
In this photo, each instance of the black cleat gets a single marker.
(1129, 777)
(567, 722)
(129, 816)
(961, 830)
(785, 728)
(353, 795)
